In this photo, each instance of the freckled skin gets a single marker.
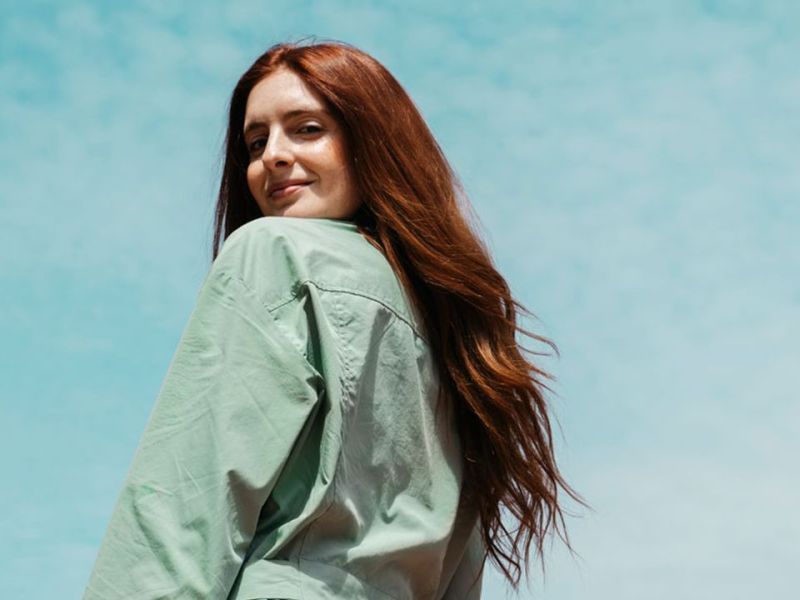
(309, 146)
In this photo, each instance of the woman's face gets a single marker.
(292, 138)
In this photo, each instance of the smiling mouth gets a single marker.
(288, 190)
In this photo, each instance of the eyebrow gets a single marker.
(287, 115)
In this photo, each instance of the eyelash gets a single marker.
(316, 127)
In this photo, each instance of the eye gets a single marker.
(314, 128)
(255, 145)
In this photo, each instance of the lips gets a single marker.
(285, 188)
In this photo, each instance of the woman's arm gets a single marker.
(235, 398)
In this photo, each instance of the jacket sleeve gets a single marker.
(234, 400)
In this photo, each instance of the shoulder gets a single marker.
(262, 237)
(279, 256)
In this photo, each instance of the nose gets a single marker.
(277, 151)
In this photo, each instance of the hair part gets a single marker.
(413, 210)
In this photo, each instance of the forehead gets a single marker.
(279, 93)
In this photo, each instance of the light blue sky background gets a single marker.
(635, 168)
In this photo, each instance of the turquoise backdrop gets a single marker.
(634, 167)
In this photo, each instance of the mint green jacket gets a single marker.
(292, 450)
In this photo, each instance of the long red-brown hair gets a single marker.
(412, 213)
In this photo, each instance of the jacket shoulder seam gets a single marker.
(297, 288)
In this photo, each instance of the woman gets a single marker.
(348, 409)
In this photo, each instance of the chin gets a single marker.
(299, 208)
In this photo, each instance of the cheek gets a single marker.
(328, 155)
(337, 165)
(345, 175)
(255, 178)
